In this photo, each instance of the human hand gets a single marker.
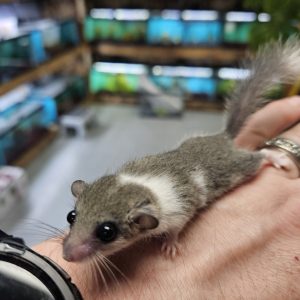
(269, 122)
(245, 246)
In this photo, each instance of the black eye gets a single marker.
(106, 232)
(71, 216)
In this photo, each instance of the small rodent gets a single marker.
(159, 194)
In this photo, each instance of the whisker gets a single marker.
(98, 268)
(40, 233)
(109, 265)
(93, 274)
(45, 228)
(41, 223)
(112, 265)
(107, 268)
(41, 230)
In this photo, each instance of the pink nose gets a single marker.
(76, 253)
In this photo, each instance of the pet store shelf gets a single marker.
(155, 54)
(204, 105)
(115, 98)
(58, 63)
(27, 157)
(193, 103)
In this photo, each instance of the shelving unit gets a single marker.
(212, 56)
(77, 56)
(163, 36)
(150, 54)
(35, 151)
(205, 105)
(54, 65)
(51, 66)
(167, 54)
(192, 104)
(201, 55)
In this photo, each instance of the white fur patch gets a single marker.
(161, 187)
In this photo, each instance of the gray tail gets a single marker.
(276, 63)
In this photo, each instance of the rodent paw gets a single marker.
(281, 160)
(170, 248)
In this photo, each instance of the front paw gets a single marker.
(171, 248)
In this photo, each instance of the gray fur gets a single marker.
(107, 200)
(275, 63)
(212, 155)
(222, 166)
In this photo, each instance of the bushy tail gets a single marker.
(276, 63)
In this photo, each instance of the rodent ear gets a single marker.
(145, 221)
(77, 187)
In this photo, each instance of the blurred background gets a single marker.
(88, 85)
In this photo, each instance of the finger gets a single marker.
(269, 122)
(288, 161)
(293, 134)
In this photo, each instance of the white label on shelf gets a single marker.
(237, 16)
(200, 15)
(121, 68)
(233, 73)
(170, 14)
(98, 13)
(263, 17)
(182, 71)
(132, 14)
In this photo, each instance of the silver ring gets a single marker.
(289, 147)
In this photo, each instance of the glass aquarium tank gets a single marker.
(238, 26)
(120, 25)
(202, 27)
(198, 81)
(115, 77)
(166, 28)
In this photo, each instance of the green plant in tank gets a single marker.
(285, 18)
